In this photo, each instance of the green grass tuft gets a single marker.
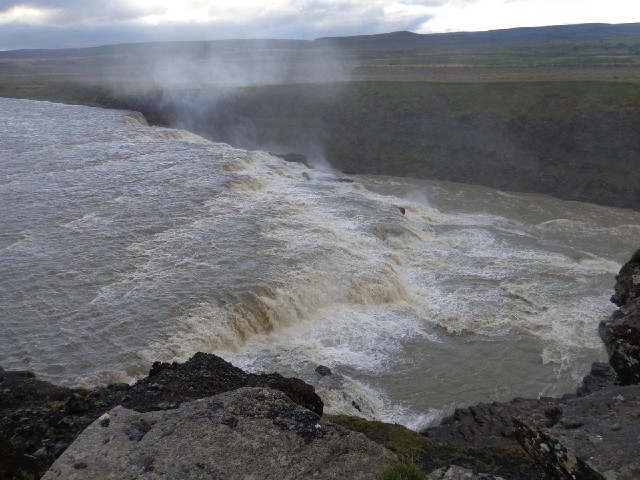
(407, 471)
(405, 443)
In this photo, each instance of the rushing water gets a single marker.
(124, 244)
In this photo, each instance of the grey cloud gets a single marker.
(437, 3)
(115, 25)
(319, 18)
(8, 4)
(82, 12)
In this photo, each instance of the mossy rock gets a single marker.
(508, 461)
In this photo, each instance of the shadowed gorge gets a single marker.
(573, 140)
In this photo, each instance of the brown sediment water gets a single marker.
(124, 244)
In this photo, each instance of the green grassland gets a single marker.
(553, 110)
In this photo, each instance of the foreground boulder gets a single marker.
(38, 420)
(249, 433)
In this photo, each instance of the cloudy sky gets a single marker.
(69, 23)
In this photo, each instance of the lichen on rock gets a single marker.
(247, 433)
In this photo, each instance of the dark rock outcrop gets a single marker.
(492, 424)
(38, 420)
(30, 412)
(205, 375)
(627, 285)
(594, 437)
(247, 433)
(25, 387)
(323, 370)
(621, 331)
(621, 336)
(600, 376)
(485, 424)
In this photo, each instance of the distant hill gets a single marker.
(558, 32)
(155, 48)
(379, 41)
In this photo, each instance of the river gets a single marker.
(122, 244)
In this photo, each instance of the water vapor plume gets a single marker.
(318, 160)
(236, 91)
(417, 196)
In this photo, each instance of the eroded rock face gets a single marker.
(590, 437)
(627, 285)
(485, 424)
(621, 336)
(250, 433)
(621, 331)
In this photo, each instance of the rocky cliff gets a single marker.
(573, 140)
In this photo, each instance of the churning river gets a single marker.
(123, 244)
